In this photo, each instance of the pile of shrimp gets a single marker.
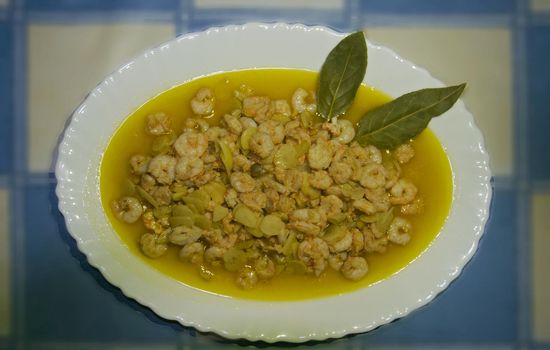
(269, 190)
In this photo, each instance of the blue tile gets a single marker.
(481, 305)
(100, 5)
(538, 81)
(6, 98)
(437, 7)
(67, 299)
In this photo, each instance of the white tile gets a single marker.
(280, 4)
(480, 57)
(66, 62)
(540, 5)
(541, 264)
(5, 280)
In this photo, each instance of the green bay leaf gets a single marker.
(341, 74)
(400, 120)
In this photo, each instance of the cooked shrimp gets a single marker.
(292, 179)
(215, 133)
(413, 208)
(365, 206)
(354, 268)
(308, 221)
(299, 102)
(231, 198)
(247, 278)
(332, 205)
(314, 253)
(187, 168)
(214, 255)
(242, 182)
(147, 182)
(151, 223)
(162, 195)
(337, 260)
(191, 144)
(286, 204)
(342, 244)
(272, 199)
(233, 124)
(320, 179)
(154, 245)
(358, 241)
(265, 268)
(373, 176)
(183, 235)
(162, 167)
(403, 192)
(404, 153)
(227, 224)
(357, 153)
(379, 198)
(347, 131)
(158, 124)
(241, 163)
(373, 154)
(315, 216)
(257, 107)
(247, 123)
(127, 209)
(203, 102)
(319, 155)
(399, 231)
(192, 252)
(305, 227)
(254, 200)
(332, 127)
(374, 244)
(204, 178)
(261, 144)
(393, 172)
(281, 107)
(274, 129)
(297, 135)
(340, 172)
(139, 163)
(203, 125)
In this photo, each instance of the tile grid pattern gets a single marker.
(29, 189)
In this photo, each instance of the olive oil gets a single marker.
(429, 170)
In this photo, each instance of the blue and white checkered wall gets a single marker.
(52, 52)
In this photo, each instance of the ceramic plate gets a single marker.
(264, 45)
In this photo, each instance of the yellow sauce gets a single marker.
(429, 170)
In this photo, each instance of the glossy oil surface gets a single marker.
(429, 170)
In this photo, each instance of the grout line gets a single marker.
(540, 186)
(540, 19)
(352, 15)
(523, 229)
(17, 228)
(184, 16)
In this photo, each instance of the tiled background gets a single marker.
(53, 51)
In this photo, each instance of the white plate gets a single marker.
(264, 45)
